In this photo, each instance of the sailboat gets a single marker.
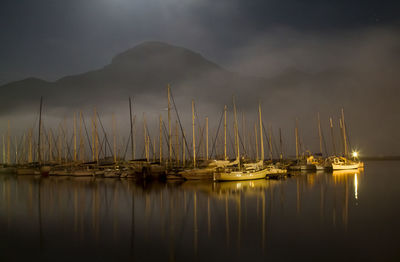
(204, 169)
(247, 171)
(343, 162)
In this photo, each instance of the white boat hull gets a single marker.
(345, 166)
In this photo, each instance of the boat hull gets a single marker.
(8, 170)
(345, 166)
(198, 173)
(28, 171)
(240, 175)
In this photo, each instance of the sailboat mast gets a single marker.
(30, 159)
(261, 132)
(320, 134)
(332, 136)
(280, 144)
(161, 147)
(145, 138)
(183, 148)
(194, 140)
(81, 143)
(344, 135)
(169, 126)
(66, 146)
(206, 138)
(236, 132)
(59, 143)
(96, 136)
(40, 130)
(130, 119)
(225, 133)
(176, 143)
(50, 146)
(296, 131)
(270, 142)
(9, 142)
(16, 149)
(243, 133)
(256, 139)
(75, 153)
(114, 138)
(4, 150)
(154, 149)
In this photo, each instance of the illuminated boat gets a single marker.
(250, 171)
(342, 163)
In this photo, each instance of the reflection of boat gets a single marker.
(228, 187)
(241, 186)
(342, 163)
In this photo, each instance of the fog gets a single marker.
(294, 66)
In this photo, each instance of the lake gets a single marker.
(339, 216)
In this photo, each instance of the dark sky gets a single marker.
(51, 39)
(352, 47)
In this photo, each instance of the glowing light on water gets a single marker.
(355, 186)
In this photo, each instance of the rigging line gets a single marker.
(231, 141)
(273, 142)
(150, 143)
(103, 141)
(105, 136)
(19, 148)
(267, 139)
(180, 124)
(54, 143)
(347, 134)
(241, 142)
(201, 131)
(323, 139)
(274, 145)
(167, 137)
(87, 134)
(64, 133)
(216, 136)
(127, 145)
(201, 140)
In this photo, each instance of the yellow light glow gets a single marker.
(355, 154)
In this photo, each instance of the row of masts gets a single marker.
(58, 150)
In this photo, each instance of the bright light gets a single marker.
(355, 154)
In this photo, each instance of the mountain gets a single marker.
(145, 70)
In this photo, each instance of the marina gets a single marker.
(165, 130)
(175, 156)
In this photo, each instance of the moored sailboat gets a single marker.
(247, 171)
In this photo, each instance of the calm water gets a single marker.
(316, 216)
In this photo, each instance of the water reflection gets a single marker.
(124, 219)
